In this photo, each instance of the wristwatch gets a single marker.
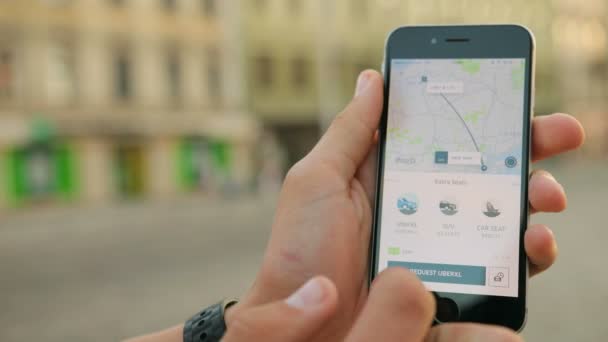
(207, 325)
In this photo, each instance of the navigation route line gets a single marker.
(483, 165)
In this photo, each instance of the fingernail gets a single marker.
(548, 175)
(362, 83)
(309, 295)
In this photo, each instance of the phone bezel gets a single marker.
(479, 41)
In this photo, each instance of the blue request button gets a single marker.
(441, 157)
(442, 273)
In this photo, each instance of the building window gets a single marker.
(343, 72)
(214, 77)
(328, 10)
(123, 77)
(117, 3)
(174, 76)
(338, 64)
(260, 5)
(264, 71)
(7, 74)
(359, 8)
(300, 72)
(169, 5)
(295, 6)
(209, 7)
(61, 74)
(57, 3)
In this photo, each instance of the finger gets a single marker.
(465, 332)
(367, 173)
(398, 308)
(350, 136)
(297, 318)
(554, 134)
(541, 248)
(546, 194)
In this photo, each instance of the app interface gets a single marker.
(452, 173)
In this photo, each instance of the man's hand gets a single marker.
(324, 215)
(398, 308)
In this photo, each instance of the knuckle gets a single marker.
(348, 122)
(340, 123)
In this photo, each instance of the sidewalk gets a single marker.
(99, 274)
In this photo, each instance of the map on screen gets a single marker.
(456, 115)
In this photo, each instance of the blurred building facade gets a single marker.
(279, 51)
(335, 40)
(580, 39)
(353, 33)
(102, 99)
(107, 98)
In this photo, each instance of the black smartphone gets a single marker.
(453, 167)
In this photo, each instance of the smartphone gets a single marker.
(453, 167)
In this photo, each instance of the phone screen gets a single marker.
(452, 176)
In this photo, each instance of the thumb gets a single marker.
(351, 135)
(297, 318)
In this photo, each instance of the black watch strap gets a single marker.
(207, 325)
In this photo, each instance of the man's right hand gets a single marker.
(323, 220)
(398, 308)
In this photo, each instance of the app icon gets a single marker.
(408, 204)
(448, 207)
(441, 157)
(510, 162)
(498, 277)
(491, 209)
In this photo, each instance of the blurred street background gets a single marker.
(142, 144)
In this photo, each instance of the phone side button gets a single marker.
(447, 310)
